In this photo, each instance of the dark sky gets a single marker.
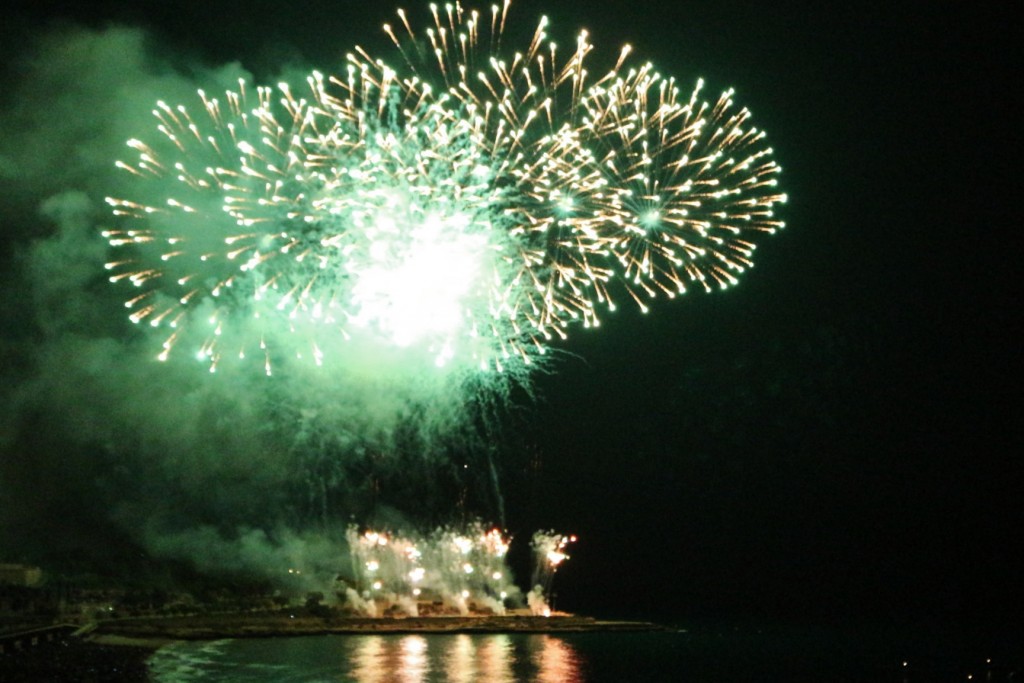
(834, 436)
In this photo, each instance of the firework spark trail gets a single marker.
(474, 201)
(460, 567)
(549, 554)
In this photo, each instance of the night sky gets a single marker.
(833, 437)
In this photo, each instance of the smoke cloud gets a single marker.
(106, 452)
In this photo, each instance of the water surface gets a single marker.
(721, 655)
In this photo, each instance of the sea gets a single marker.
(722, 654)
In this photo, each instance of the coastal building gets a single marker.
(20, 575)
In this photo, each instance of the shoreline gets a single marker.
(156, 632)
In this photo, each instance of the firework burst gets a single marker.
(459, 567)
(473, 202)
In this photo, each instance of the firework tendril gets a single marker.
(474, 202)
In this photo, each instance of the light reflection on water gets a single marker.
(463, 659)
(414, 658)
(557, 661)
(460, 662)
(413, 666)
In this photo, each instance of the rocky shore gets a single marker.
(209, 627)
